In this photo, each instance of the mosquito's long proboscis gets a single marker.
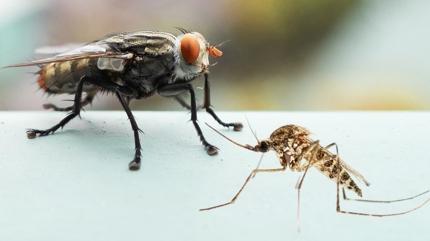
(232, 141)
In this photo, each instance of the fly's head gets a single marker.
(194, 52)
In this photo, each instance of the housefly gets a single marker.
(133, 65)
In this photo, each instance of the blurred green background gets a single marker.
(283, 54)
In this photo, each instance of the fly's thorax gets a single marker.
(193, 56)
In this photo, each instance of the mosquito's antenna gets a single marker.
(253, 132)
(249, 147)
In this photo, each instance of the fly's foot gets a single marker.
(211, 150)
(135, 164)
(237, 126)
(33, 133)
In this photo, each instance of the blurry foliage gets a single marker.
(274, 32)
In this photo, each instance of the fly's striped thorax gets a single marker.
(63, 77)
(331, 166)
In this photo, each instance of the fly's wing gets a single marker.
(57, 49)
(89, 51)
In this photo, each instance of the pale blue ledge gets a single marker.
(75, 185)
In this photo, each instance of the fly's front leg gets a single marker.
(174, 90)
(184, 104)
(237, 126)
(135, 164)
(33, 133)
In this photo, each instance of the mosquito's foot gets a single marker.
(237, 126)
(33, 133)
(134, 165)
(211, 150)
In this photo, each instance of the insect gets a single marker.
(132, 65)
(297, 152)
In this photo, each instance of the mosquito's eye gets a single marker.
(190, 48)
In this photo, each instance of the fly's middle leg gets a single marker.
(135, 164)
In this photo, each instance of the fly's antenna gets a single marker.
(254, 133)
(222, 43)
(249, 147)
(212, 65)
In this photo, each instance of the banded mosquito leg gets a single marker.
(339, 210)
(237, 126)
(250, 176)
(33, 133)
(135, 164)
(381, 201)
(175, 89)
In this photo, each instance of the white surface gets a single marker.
(75, 185)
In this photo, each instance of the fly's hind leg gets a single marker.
(87, 100)
(33, 133)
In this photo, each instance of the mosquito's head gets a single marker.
(263, 146)
(194, 52)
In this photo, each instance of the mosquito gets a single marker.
(298, 152)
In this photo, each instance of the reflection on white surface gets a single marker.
(75, 185)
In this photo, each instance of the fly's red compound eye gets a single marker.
(190, 48)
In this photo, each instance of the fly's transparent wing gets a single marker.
(90, 51)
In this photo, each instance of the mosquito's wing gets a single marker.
(354, 172)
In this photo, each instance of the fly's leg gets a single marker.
(250, 176)
(207, 105)
(135, 164)
(184, 104)
(175, 89)
(33, 133)
(87, 100)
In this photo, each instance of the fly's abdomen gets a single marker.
(330, 167)
(63, 77)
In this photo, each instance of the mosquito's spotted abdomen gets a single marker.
(330, 167)
(63, 77)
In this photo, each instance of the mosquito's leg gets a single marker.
(135, 164)
(253, 173)
(175, 89)
(87, 100)
(338, 209)
(381, 201)
(33, 133)
(207, 105)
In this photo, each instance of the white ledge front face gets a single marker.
(75, 184)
